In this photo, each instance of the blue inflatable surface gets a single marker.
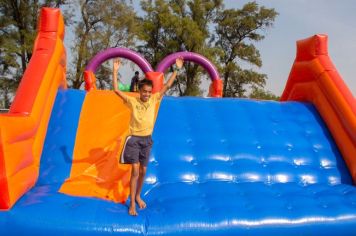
(218, 167)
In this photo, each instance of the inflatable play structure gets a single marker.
(219, 166)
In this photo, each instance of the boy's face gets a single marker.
(145, 93)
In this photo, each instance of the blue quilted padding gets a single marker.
(218, 167)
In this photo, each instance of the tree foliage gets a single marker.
(178, 25)
(186, 25)
(258, 93)
(236, 31)
(225, 36)
(102, 24)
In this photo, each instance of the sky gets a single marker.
(298, 19)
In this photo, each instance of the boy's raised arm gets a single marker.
(115, 68)
(179, 65)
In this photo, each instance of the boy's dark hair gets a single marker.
(145, 82)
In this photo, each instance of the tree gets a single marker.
(178, 25)
(167, 26)
(102, 24)
(258, 93)
(18, 25)
(236, 31)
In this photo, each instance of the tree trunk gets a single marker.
(78, 72)
(18, 18)
(226, 81)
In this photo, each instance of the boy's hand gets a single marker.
(179, 62)
(116, 64)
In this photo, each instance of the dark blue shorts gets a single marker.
(136, 149)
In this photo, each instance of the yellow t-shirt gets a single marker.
(143, 114)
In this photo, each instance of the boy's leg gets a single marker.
(146, 145)
(133, 187)
(141, 178)
(130, 155)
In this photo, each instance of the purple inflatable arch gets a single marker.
(99, 58)
(189, 56)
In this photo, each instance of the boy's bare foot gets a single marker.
(140, 202)
(132, 210)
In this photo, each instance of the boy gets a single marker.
(138, 144)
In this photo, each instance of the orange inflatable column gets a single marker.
(89, 79)
(157, 79)
(218, 88)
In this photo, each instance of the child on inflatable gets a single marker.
(138, 144)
